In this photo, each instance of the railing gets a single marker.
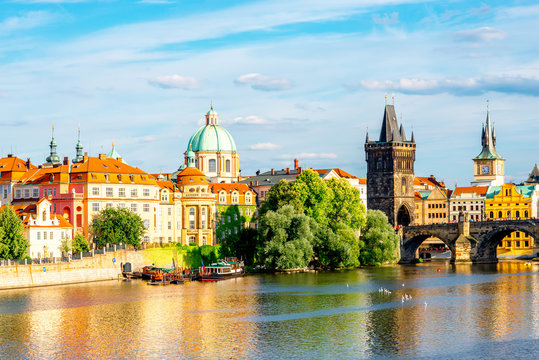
(64, 259)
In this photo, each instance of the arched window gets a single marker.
(248, 199)
(526, 213)
(44, 215)
(235, 198)
(211, 165)
(508, 213)
(492, 214)
(500, 214)
(227, 166)
(403, 182)
(517, 214)
(222, 197)
(191, 218)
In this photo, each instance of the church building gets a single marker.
(214, 151)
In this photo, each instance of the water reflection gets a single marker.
(295, 316)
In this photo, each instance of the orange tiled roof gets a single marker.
(217, 187)
(166, 185)
(362, 181)
(417, 195)
(479, 190)
(191, 175)
(421, 180)
(10, 165)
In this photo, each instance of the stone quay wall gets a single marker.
(97, 268)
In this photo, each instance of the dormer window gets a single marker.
(107, 177)
(132, 177)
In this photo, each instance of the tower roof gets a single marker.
(211, 137)
(390, 127)
(488, 141)
(534, 175)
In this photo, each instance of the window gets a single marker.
(17, 194)
(146, 192)
(164, 196)
(35, 193)
(26, 193)
(248, 199)
(211, 165)
(517, 214)
(517, 243)
(169, 211)
(121, 192)
(52, 235)
(191, 218)
(134, 193)
(235, 216)
(204, 240)
(95, 191)
(54, 192)
(203, 217)
(179, 225)
(222, 197)
(500, 214)
(110, 192)
(50, 191)
(121, 206)
(146, 207)
(170, 225)
(95, 207)
(526, 213)
(109, 205)
(44, 235)
(526, 244)
(146, 239)
(227, 166)
(517, 233)
(147, 224)
(39, 235)
(235, 198)
(5, 193)
(134, 208)
(248, 212)
(509, 244)
(192, 240)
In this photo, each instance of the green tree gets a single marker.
(80, 243)
(283, 193)
(314, 195)
(378, 242)
(345, 206)
(114, 226)
(66, 245)
(13, 244)
(336, 249)
(287, 239)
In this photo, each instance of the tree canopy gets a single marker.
(13, 244)
(287, 238)
(378, 242)
(114, 226)
(80, 244)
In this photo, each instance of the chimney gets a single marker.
(272, 171)
(28, 163)
(66, 160)
(9, 155)
(299, 170)
(86, 153)
(120, 159)
(296, 164)
(102, 156)
(287, 171)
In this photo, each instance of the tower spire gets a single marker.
(78, 149)
(53, 158)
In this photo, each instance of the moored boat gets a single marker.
(223, 269)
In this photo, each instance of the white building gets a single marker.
(470, 199)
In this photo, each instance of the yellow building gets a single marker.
(197, 207)
(511, 202)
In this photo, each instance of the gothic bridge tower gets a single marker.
(390, 171)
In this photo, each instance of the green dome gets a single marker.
(212, 138)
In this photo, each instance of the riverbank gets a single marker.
(98, 268)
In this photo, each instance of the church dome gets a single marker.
(212, 137)
(191, 175)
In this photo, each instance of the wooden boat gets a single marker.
(228, 268)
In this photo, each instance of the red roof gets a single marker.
(479, 190)
(217, 187)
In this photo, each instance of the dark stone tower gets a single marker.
(390, 171)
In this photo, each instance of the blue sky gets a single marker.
(289, 78)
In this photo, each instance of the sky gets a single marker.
(289, 79)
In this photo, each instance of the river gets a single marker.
(456, 312)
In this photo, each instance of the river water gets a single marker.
(456, 312)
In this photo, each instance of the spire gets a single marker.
(191, 161)
(212, 118)
(113, 154)
(401, 131)
(53, 158)
(390, 127)
(534, 175)
(413, 137)
(488, 139)
(78, 148)
(367, 136)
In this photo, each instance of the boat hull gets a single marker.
(217, 277)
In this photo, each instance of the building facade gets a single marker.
(469, 200)
(11, 170)
(390, 171)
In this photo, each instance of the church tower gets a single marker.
(390, 171)
(488, 165)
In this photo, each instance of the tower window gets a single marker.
(212, 165)
(227, 166)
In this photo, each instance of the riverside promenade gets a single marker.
(99, 267)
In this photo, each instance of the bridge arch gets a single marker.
(489, 239)
(414, 236)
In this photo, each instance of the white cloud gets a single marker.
(387, 19)
(511, 84)
(264, 83)
(250, 120)
(481, 34)
(264, 146)
(29, 20)
(175, 82)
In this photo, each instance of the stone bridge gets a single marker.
(468, 241)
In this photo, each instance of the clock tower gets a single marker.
(488, 165)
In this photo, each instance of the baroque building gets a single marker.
(214, 151)
(488, 165)
(390, 171)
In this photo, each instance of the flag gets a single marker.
(203, 267)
